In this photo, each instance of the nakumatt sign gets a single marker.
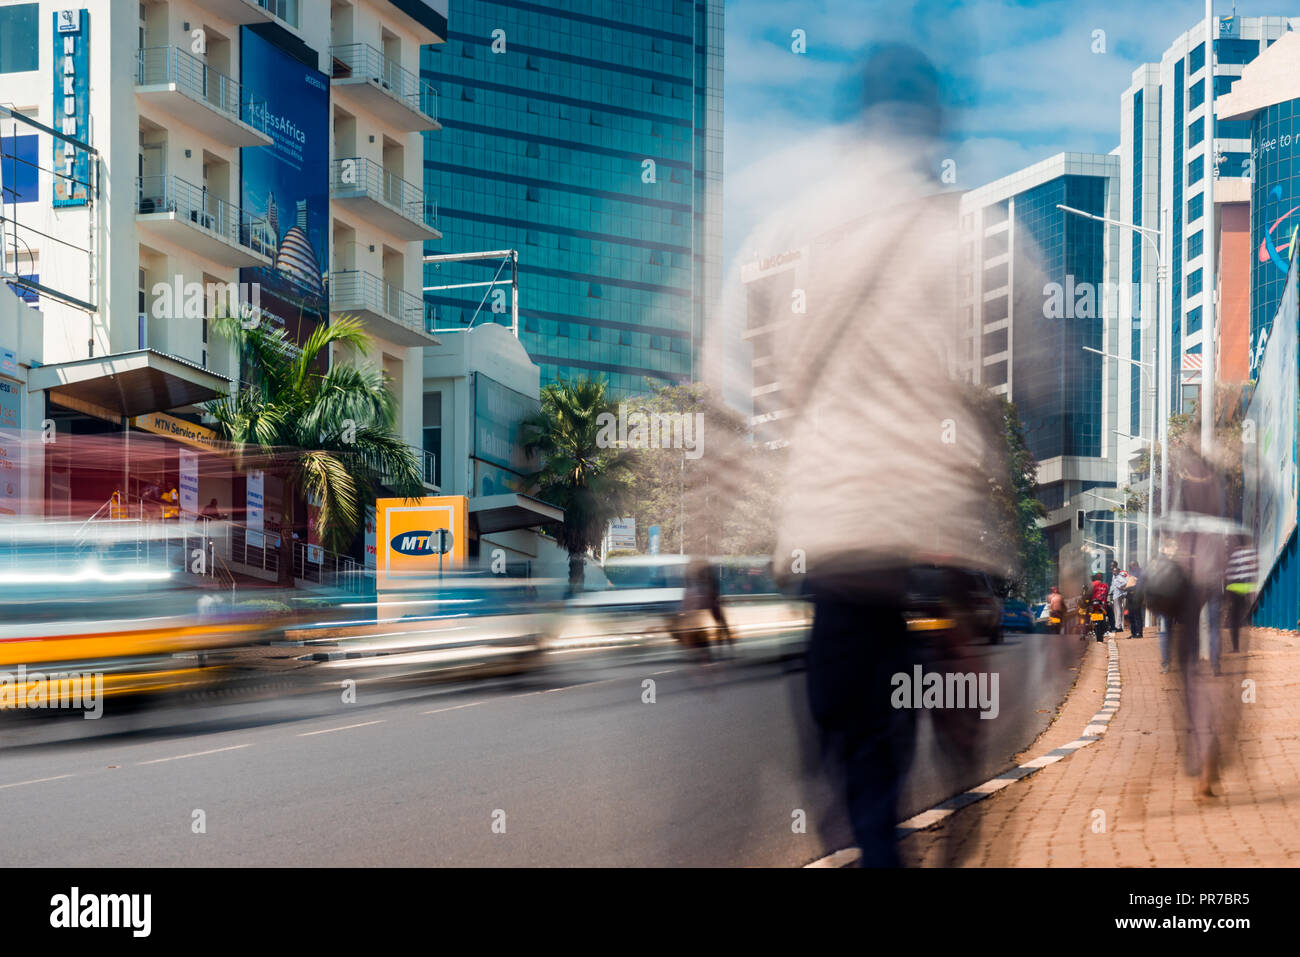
(71, 106)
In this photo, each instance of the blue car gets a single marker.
(1016, 616)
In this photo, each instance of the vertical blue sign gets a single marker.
(71, 106)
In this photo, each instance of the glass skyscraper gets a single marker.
(586, 134)
(1036, 293)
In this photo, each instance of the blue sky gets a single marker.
(1023, 77)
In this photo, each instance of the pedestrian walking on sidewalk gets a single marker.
(1199, 527)
(1242, 579)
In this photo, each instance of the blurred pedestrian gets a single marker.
(1199, 544)
(1133, 595)
(890, 470)
(1242, 578)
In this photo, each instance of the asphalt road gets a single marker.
(567, 767)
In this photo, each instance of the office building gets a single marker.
(588, 137)
(1168, 154)
(1036, 292)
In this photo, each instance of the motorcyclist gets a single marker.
(1100, 594)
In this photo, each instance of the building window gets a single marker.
(1195, 170)
(1235, 51)
(1194, 320)
(1196, 95)
(1194, 280)
(1195, 244)
(1196, 132)
(20, 38)
(18, 167)
(1232, 130)
(1195, 207)
(1222, 84)
(1196, 59)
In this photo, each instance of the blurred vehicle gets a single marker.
(645, 602)
(952, 602)
(104, 602)
(1016, 616)
(643, 596)
(471, 624)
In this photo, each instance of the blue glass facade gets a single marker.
(1057, 387)
(592, 144)
(1274, 214)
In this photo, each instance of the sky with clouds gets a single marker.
(1022, 77)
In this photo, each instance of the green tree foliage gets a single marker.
(578, 472)
(327, 432)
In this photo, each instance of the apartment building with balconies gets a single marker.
(163, 162)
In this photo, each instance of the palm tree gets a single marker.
(576, 473)
(327, 435)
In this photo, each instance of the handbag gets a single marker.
(1165, 586)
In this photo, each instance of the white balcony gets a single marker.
(172, 209)
(283, 12)
(365, 80)
(367, 190)
(389, 313)
(180, 85)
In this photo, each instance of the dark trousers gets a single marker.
(1136, 613)
(1237, 611)
(854, 650)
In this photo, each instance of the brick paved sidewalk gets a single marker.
(1125, 800)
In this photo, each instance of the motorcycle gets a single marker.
(1098, 618)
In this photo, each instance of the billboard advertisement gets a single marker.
(284, 187)
(1274, 217)
(1270, 442)
(417, 538)
(498, 412)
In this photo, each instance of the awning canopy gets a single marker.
(127, 384)
(512, 510)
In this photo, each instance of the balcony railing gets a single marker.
(360, 60)
(162, 65)
(286, 10)
(360, 175)
(171, 194)
(353, 289)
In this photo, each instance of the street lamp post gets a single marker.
(1162, 396)
(1145, 369)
